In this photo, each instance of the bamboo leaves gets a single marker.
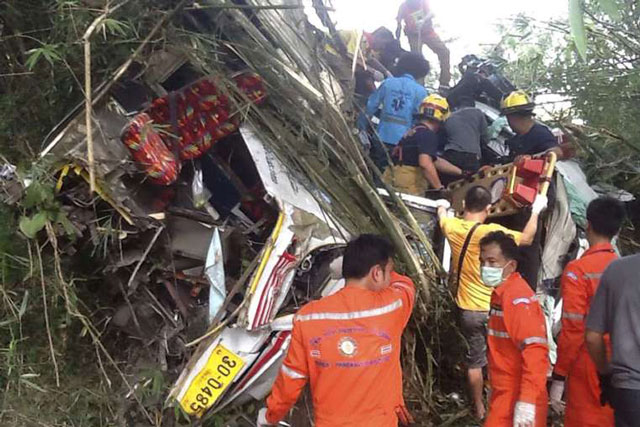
(576, 19)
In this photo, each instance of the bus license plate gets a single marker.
(212, 381)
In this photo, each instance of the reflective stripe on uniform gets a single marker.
(352, 315)
(494, 312)
(497, 334)
(292, 373)
(524, 300)
(592, 275)
(533, 340)
(573, 316)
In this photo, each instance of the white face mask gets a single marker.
(492, 276)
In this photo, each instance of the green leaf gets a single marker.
(611, 8)
(576, 19)
(62, 219)
(23, 306)
(31, 226)
(46, 51)
(115, 27)
(37, 195)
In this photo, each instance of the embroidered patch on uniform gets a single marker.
(521, 301)
(315, 353)
(386, 349)
(572, 275)
(348, 347)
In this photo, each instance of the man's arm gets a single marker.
(597, 325)
(447, 167)
(526, 327)
(291, 379)
(574, 312)
(373, 103)
(429, 171)
(404, 287)
(530, 229)
(597, 350)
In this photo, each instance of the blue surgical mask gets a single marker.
(492, 276)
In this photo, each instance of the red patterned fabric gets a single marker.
(150, 152)
(202, 117)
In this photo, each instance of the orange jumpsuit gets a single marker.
(347, 346)
(579, 283)
(518, 353)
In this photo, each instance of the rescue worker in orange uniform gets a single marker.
(579, 283)
(518, 352)
(347, 346)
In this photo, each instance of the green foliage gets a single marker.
(47, 51)
(576, 19)
(40, 200)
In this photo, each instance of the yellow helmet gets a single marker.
(434, 107)
(517, 101)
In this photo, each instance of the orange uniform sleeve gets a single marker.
(525, 324)
(404, 286)
(291, 379)
(574, 311)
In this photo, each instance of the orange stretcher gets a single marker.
(512, 186)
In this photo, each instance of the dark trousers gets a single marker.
(468, 162)
(626, 407)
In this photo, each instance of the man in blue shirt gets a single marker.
(398, 98)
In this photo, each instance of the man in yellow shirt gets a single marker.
(472, 296)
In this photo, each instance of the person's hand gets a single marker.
(555, 396)
(443, 203)
(377, 75)
(404, 416)
(521, 158)
(468, 175)
(262, 418)
(605, 389)
(524, 414)
(539, 204)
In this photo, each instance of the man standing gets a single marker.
(580, 281)
(347, 345)
(531, 137)
(399, 98)
(418, 26)
(614, 311)
(473, 296)
(518, 352)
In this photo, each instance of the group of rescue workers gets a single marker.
(347, 345)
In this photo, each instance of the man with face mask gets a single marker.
(347, 345)
(518, 352)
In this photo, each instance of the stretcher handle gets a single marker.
(552, 158)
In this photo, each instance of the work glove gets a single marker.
(524, 415)
(555, 396)
(404, 416)
(443, 203)
(262, 418)
(605, 389)
(539, 204)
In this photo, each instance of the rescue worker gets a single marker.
(418, 27)
(518, 352)
(416, 163)
(614, 311)
(347, 346)
(472, 295)
(579, 283)
(464, 134)
(531, 137)
(398, 98)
